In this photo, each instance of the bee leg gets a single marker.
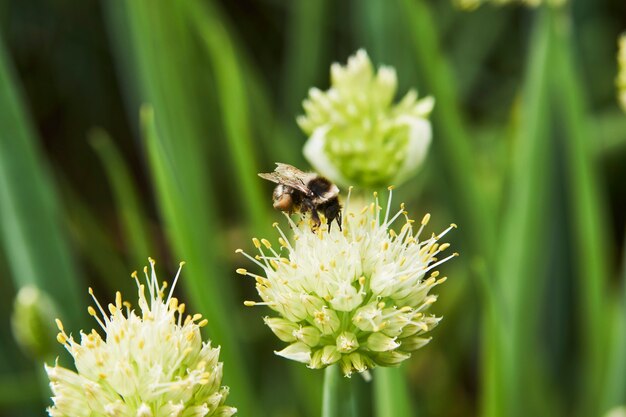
(316, 219)
(339, 220)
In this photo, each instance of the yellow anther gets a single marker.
(426, 219)
(196, 317)
(90, 290)
(249, 303)
(134, 275)
(61, 338)
(444, 246)
(257, 243)
(453, 225)
(118, 299)
(91, 311)
(242, 271)
(435, 274)
(390, 188)
(375, 194)
(203, 323)
(181, 264)
(266, 243)
(59, 324)
(238, 250)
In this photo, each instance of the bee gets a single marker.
(303, 192)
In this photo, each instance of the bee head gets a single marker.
(283, 202)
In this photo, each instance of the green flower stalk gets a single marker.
(358, 297)
(357, 136)
(621, 74)
(150, 363)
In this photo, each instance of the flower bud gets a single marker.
(347, 342)
(282, 328)
(391, 358)
(409, 344)
(308, 335)
(31, 321)
(378, 342)
(357, 136)
(298, 352)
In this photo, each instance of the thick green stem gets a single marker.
(392, 399)
(338, 395)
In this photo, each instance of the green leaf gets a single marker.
(194, 236)
(234, 105)
(32, 234)
(518, 266)
(588, 217)
(129, 209)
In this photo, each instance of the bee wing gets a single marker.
(291, 176)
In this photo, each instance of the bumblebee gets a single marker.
(304, 192)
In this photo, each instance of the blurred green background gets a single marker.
(528, 157)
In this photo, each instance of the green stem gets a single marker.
(338, 394)
(392, 399)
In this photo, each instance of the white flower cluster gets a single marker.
(357, 297)
(357, 136)
(151, 364)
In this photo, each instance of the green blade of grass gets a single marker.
(305, 51)
(195, 239)
(168, 66)
(129, 209)
(234, 104)
(588, 219)
(32, 234)
(519, 262)
(615, 393)
(91, 240)
(451, 143)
